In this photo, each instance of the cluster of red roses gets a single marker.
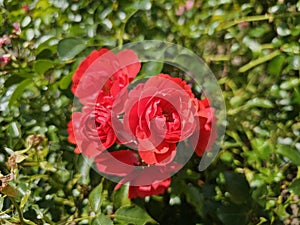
(150, 119)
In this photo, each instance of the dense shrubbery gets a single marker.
(252, 48)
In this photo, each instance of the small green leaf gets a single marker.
(259, 102)
(237, 186)
(195, 198)
(19, 91)
(41, 66)
(120, 197)
(283, 30)
(95, 198)
(25, 199)
(151, 68)
(14, 129)
(275, 65)
(232, 215)
(70, 47)
(26, 21)
(102, 220)
(291, 153)
(295, 187)
(133, 215)
(65, 81)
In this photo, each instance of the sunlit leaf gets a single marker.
(95, 198)
(134, 215)
(70, 47)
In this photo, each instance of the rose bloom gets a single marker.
(143, 181)
(120, 163)
(103, 74)
(206, 133)
(157, 188)
(148, 181)
(159, 113)
(91, 130)
(84, 66)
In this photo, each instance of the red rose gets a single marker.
(149, 190)
(84, 66)
(74, 122)
(120, 163)
(206, 134)
(158, 114)
(147, 181)
(104, 75)
(92, 130)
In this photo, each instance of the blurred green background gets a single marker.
(253, 49)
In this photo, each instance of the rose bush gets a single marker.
(151, 118)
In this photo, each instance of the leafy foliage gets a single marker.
(252, 48)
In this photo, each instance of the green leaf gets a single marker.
(14, 129)
(25, 199)
(102, 220)
(291, 153)
(120, 197)
(232, 215)
(260, 102)
(295, 187)
(151, 68)
(237, 186)
(70, 47)
(41, 66)
(19, 91)
(65, 81)
(133, 215)
(275, 65)
(195, 198)
(84, 166)
(95, 198)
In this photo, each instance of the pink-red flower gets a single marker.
(5, 40)
(92, 130)
(147, 181)
(148, 190)
(4, 59)
(151, 119)
(206, 133)
(84, 65)
(103, 74)
(159, 114)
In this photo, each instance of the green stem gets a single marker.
(122, 30)
(19, 211)
(226, 25)
(259, 61)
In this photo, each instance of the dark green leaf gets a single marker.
(291, 153)
(95, 198)
(120, 197)
(259, 102)
(65, 81)
(237, 186)
(102, 220)
(133, 215)
(70, 47)
(19, 91)
(295, 187)
(195, 198)
(275, 65)
(41, 66)
(151, 68)
(232, 215)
